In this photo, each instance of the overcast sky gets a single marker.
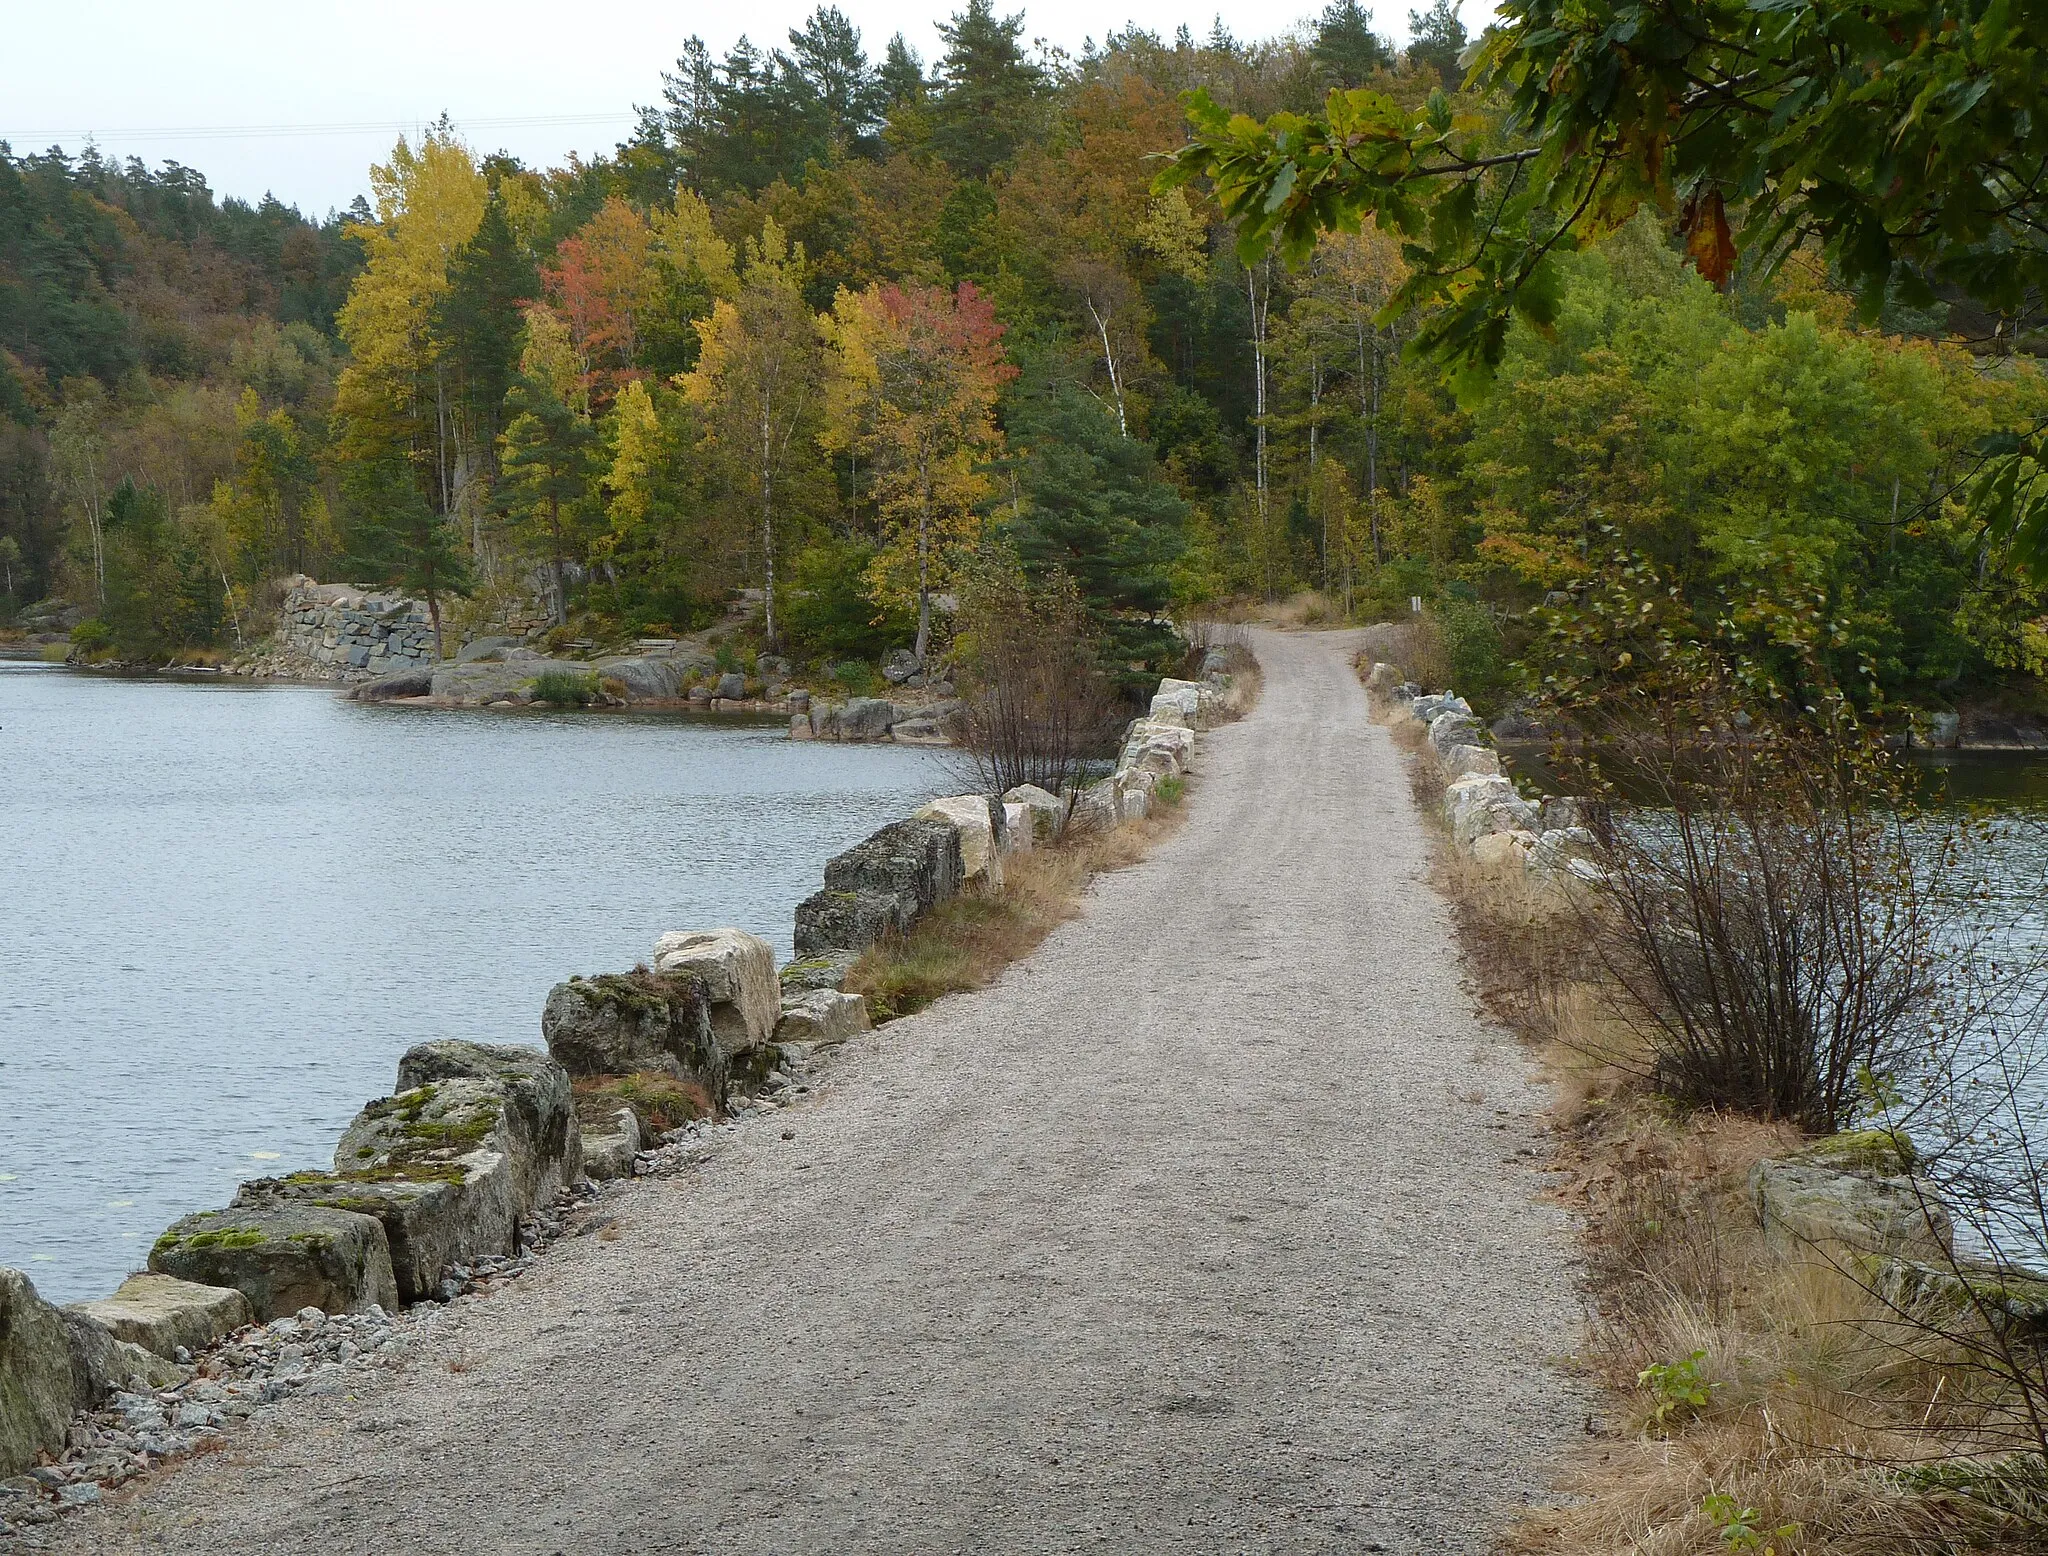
(299, 98)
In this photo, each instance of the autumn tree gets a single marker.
(757, 379)
(916, 373)
(601, 285)
(395, 397)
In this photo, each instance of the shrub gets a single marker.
(858, 677)
(829, 611)
(1036, 708)
(565, 688)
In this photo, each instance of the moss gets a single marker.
(1885, 1153)
(311, 1239)
(168, 1243)
(234, 1237)
(660, 1102)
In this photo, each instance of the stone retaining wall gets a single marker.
(338, 632)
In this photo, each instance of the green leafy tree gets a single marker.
(548, 464)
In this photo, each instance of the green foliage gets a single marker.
(1478, 658)
(565, 688)
(161, 594)
(829, 611)
(1677, 1389)
(1741, 1528)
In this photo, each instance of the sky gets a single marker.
(297, 99)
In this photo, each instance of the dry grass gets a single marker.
(967, 941)
(1821, 1404)
(660, 1102)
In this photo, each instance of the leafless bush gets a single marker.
(1037, 710)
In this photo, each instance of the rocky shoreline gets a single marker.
(483, 1156)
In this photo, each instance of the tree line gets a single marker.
(829, 326)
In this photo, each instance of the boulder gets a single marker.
(645, 678)
(1134, 788)
(634, 1023)
(1383, 679)
(1564, 812)
(881, 885)
(1451, 728)
(821, 1017)
(918, 732)
(1503, 850)
(414, 681)
(38, 1392)
(1095, 808)
(800, 727)
(610, 1143)
(1018, 831)
(732, 686)
(1161, 749)
(481, 682)
(1812, 1202)
(1518, 726)
(738, 973)
(283, 1257)
(538, 1129)
(865, 718)
(1190, 702)
(491, 647)
(450, 1166)
(1465, 761)
(825, 971)
(1048, 811)
(1475, 806)
(978, 821)
(162, 1314)
(1427, 705)
(899, 665)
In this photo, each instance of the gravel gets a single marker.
(1215, 1226)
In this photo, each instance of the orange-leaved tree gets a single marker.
(601, 284)
(916, 373)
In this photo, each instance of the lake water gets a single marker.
(226, 910)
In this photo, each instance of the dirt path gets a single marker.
(1211, 1228)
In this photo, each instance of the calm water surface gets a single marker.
(226, 910)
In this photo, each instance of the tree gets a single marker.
(1346, 47)
(1436, 39)
(757, 378)
(399, 539)
(988, 91)
(916, 373)
(477, 323)
(601, 285)
(1092, 505)
(395, 397)
(547, 460)
(1905, 148)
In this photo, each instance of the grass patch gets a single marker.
(660, 1102)
(565, 688)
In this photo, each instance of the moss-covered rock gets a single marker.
(37, 1392)
(636, 1023)
(283, 1256)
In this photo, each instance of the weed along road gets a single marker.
(1213, 1226)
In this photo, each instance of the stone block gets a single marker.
(634, 1023)
(162, 1314)
(882, 885)
(1048, 811)
(283, 1257)
(974, 817)
(738, 973)
(821, 1017)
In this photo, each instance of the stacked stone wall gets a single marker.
(338, 633)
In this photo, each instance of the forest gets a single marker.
(832, 326)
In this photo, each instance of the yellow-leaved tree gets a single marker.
(392, 398)
(915, 376)
(756, 379)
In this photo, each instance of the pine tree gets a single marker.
(989, 91)
(547, 462)
(1436, 38)
(1346, 46)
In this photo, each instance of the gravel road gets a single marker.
(1213, 1227)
